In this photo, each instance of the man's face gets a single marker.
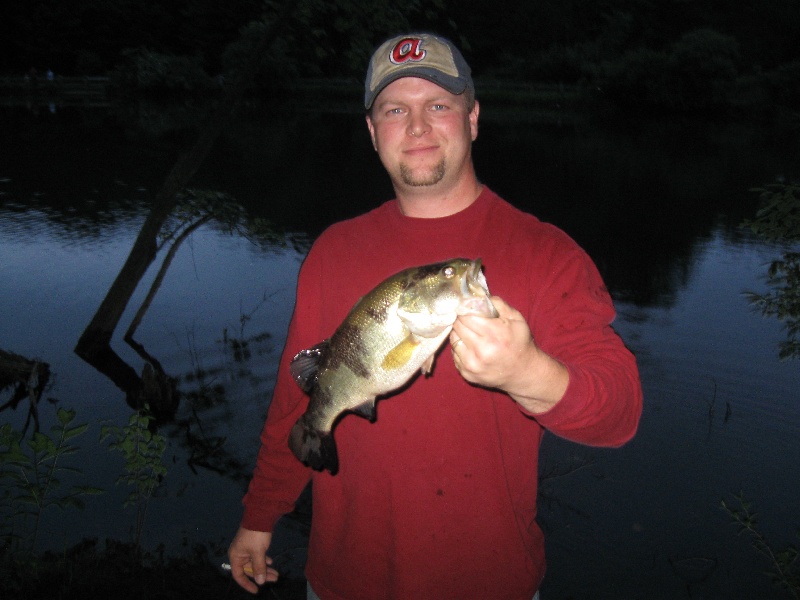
(423, 133)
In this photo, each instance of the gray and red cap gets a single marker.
(422, 55)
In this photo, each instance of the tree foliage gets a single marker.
(778, 220)
(696, 73)
(334, 37)
(147, 71)
(675, 55)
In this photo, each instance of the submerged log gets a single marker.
(16, 370)
(27, 378)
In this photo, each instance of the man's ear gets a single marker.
(371, 128)
(473, 120)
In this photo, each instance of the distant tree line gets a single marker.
(678, 55)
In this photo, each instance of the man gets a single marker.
(437, 498)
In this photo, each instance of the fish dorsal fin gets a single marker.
(366, 410)
(398, 356)
(305, 366)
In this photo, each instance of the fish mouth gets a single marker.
(475, 295)
(475, 269)
(471, 282)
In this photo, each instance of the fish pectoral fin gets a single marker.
(398, 356)
(366, 410)
(305, 366)
(427, 366)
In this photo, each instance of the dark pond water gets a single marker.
(656, 204)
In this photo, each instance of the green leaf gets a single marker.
(75, 431)
(65, 417)
(69, 470)
(89, 491)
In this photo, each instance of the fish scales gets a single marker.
(390, 334)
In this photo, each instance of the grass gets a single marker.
(116, 570)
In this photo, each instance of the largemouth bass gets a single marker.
(389, 335)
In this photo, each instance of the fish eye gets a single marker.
(448, 272)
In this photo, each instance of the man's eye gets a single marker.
(438, 107)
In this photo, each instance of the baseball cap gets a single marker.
(422, 55)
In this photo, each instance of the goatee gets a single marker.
(432, 177)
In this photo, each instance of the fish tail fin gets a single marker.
(313, 447)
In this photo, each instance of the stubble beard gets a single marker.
(430, 177)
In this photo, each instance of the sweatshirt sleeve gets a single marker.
(278, 477)
(571, 316)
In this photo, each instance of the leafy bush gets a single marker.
(778, 220)
(146, 71)
(275, 66)
(560, 65)
(29, 473)
(638, 80)
(143, 451)
(704, 68)
(696, 74)
(785, 563)
(783, 85)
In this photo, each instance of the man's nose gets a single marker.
(418, 125)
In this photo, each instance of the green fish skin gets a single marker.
(389, 335)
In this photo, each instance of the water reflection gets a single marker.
(155, 390)
(720, 416)
(656, 205)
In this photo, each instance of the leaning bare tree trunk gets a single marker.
(94, 343)
(137, 319)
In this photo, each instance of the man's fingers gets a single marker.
(242, 576)
(250, 579)
(249, 563)
(261, 571)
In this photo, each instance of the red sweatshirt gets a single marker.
(437, 498)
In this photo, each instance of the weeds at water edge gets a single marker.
(785, 572)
